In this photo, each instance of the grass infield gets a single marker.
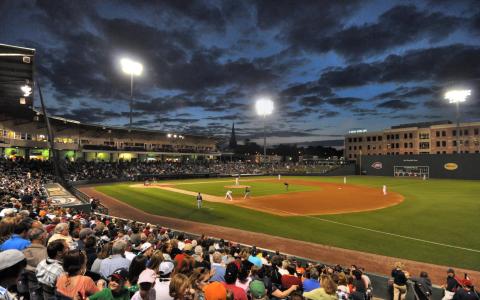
(434, 211)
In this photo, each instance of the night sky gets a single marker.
(329, 66)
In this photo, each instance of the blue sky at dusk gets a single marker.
(329, 66)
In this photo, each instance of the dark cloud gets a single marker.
(300, 113)
(396, 104)
(311, 101)
(449, 63)
(343, 101)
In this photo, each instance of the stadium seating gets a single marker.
(42, 243)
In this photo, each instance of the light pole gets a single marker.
(131, 68)
(264, 108)
(457, 96)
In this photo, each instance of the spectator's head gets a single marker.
(155, 260)
(119, 247)
(199, 278)
(23, 227)
(37, 235)
(423, 274)
(61, 228)
(231, 273)
(314, 274)
(105, 251)
(90, 242)
(215, 291)
(357, 274)
(12, 263)
(328, 285)
(117, 280)
(399, 265)
(179, 286)
(451, 272)
(138, 264)
(75, 263)
(166, 268)
(146, 249)
(84, 233)
(57, 249)
(291, 268)
(146, 280)
(257, 289)
(217, 257)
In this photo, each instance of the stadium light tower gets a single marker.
(457, 96)
(131, 68)
(264, 107)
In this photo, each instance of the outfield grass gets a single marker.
(441, 211)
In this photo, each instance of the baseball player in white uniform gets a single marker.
(237, 181)
(228, 195)
(279, 177)
(384, 190)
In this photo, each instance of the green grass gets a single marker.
(258, 188)
(441, 211)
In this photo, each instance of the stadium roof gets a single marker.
(421, 124)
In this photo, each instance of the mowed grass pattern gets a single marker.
(442, 211)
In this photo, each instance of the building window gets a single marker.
(349, 140)
(405, 135)
(397, 145)
(349, 147)
(354, 147)
(360, 139)
(424, 136)
(410, 135)
(368, 139)
(454, 143)
(454, 132)
(465, 132)
(360, 147)
(424, 145)
(354, 140)
(444, 143)
(437, 133)
(405, 145)
(444, 133)
(465, 143)
(374, 138)
(475, 131)
(397, 136)
(438, 142)
(368, 147)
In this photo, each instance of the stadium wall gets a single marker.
(449, 166)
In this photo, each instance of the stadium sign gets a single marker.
(377, 165)
(450, 166)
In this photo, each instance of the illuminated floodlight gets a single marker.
(27, 90)
(131, 67)
(169, 135)
(457, 96)
(264, 107)
(174, 136)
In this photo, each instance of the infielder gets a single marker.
(279, 177)
(228, 195)
(237, 181)
(344, 179)
(384, 190)
(199, 200)
(247, 193)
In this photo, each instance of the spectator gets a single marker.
(61, 233)
(218, 267)
(19, 239)
(116, 261)
(49, 269)
(179, 288)
(104, 253)
(215, 291)
(231, 275)
(146, 281)
(90, 250)
(424, 285)
(291, 278)
(116, 289)
(73, 283)
(467, 292)
(312, 282)
(12, 263)
(198, 280)
(257, 290)
(400, 278)
(453, 283)
(34, 254)
(327, 291)
(82, 236)
(136, 268)
(162, 284)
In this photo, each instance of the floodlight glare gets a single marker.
(264, 107)
(26, 90)
(169, 135)
(131, 67)
(455, 96)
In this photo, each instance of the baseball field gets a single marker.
(434, 221)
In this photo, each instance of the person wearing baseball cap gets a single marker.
(116, 289)
(12, 263)
(215, 291)
(453, 283)
(257, 289)
(466, 292)
(146, 281)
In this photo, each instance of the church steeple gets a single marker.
(233, 140)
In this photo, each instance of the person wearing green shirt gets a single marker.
(116, 287)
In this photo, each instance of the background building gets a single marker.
(416, 138)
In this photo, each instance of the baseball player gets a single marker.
(344, 179)
(199, 200)
(228, 195)
(384, 190)
(279, 177)
(247, 193)
(286, 186)
(237, 181)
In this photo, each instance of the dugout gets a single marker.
(450, 166)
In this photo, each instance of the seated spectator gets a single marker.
(146, 281)
(327, 291)
(90, 250)
(257, 290)
(12, 263)
(137, 266)
(312, 282)
(231, 275)
(215, 291)
(291, 278)
(104, 253)
(466, 292)
(218, 267)
(49, 269)
(61, 233)
(198, 280)
(116, 289)
(73, 283)
(19, 239)
(116, 261)
(34, 254)
(162, 284)
(179, 288)
(82, 236)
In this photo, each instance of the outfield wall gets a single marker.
(451, 166)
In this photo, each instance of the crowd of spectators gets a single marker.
(58, 253)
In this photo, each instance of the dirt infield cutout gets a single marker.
(331, 198)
